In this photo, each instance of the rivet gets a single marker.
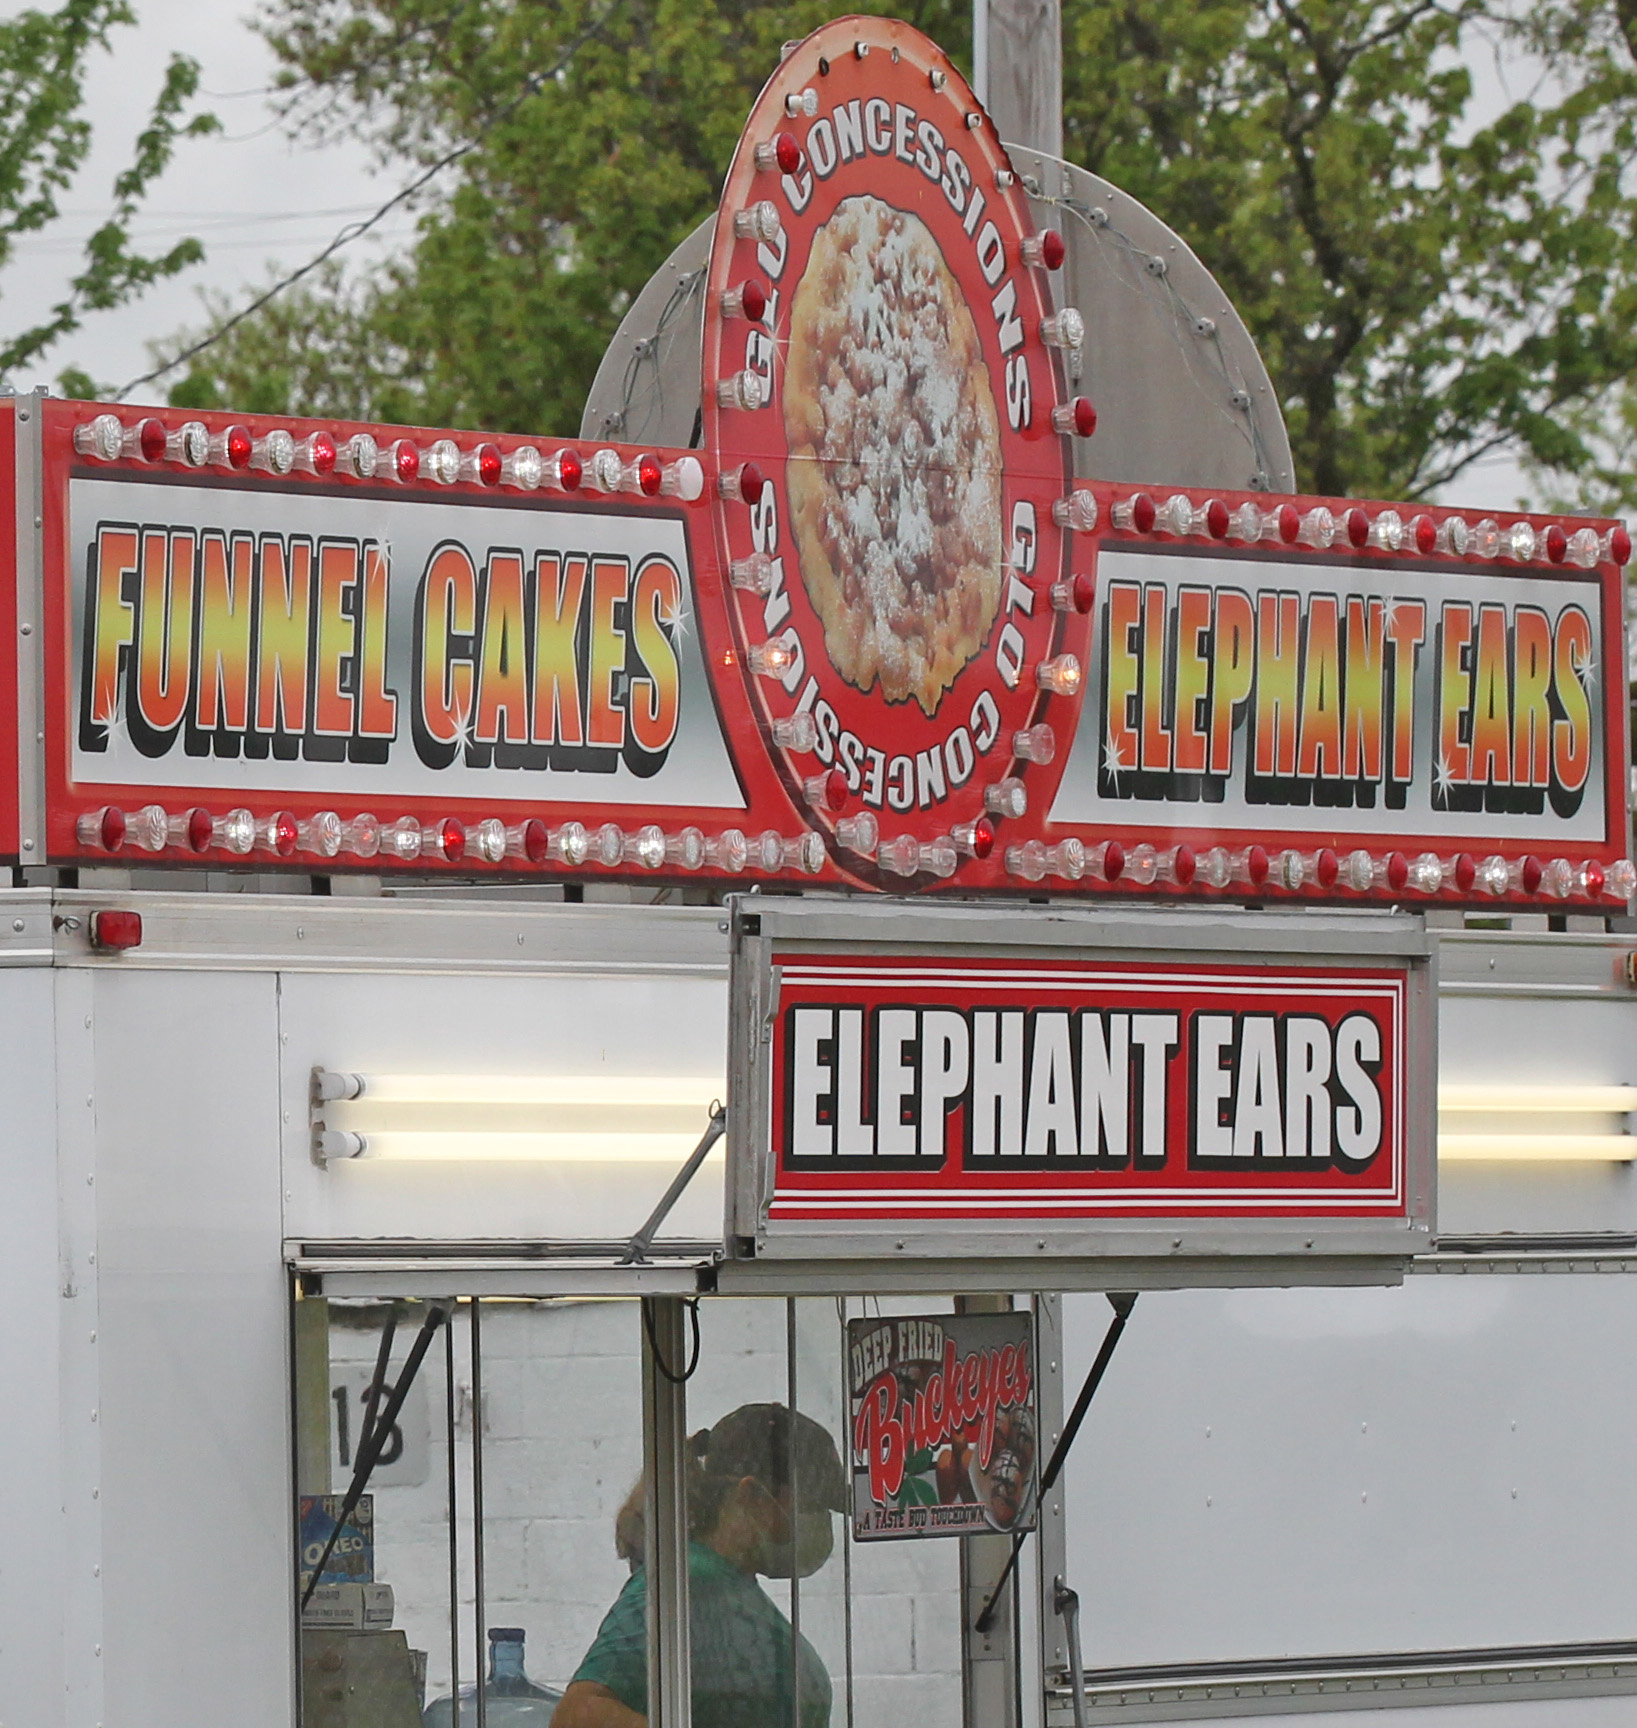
(26, 629)
(17, 925)
(28, 845)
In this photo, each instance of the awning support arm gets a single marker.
(1122, 1304)
(370, 1449)
(636, 1251)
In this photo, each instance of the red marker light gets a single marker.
(1143, 513)
(827, 791)
(1530, 871)
(1216, 519)
(1424, 532)
(1076, 417)
(200, 830)
(786, 153)
(104, 828)
(116, 931)
(570, 470)
(744, 483)
(1464, 871)
(1044, 251)
(404, 461)
(1326, 867)
(1555, 544)
(1356, 526)
(488, 464)
(1398, 871)
(1113, 861)
(1290, 523)
(150, 440)
(1256, 865)
(1620, 544)
(983, 837)
(449, 837)
(1074, 595)
(650, 475)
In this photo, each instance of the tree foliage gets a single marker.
(1423, 209)
(45, 136)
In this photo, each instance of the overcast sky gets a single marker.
(259, 201)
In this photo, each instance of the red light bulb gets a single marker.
(488, 464)
(239, 446)
(150, 440)
(1216, 519)
(983, 837)
(406, 461)
(1044, 250)
(1143, 513)
(1356, 526)
(1529, 873)
(787, 153)
(111, 829)
(1326, 868)
(1620, 545)
(1290, 523)
(570, 470)
(650, 473)
(200, 830)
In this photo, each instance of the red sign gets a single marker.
(893, 574)
(1075, 1089)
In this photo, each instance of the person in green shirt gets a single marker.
(762, 1485)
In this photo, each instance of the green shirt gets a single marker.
(744, 1651)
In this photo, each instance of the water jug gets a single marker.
(511, 1699)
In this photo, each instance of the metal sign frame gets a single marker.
(1170, 1246)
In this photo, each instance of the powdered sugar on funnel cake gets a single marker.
(895, 471)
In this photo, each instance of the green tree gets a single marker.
(44, 139)
(1432, 271)
(569, 196)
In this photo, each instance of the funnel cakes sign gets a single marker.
(894, 577)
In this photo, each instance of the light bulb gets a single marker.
(1038, 744)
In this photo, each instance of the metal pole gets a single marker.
(1022, 59)
(665, 1512)
(980, 50)
(988, 1668)
(454, 1550)
(479, 1629)
(790, 1479)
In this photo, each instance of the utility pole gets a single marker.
(1017, 54)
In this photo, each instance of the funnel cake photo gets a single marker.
(895, 470)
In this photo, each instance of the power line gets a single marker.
(356, 230)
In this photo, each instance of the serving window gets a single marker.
(500, 1460)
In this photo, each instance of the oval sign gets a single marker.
(882, 365)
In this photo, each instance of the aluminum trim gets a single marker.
(30, 626)
(1192, 1692)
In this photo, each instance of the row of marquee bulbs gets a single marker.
(491, 841)
(361, 457)
(1350, 527)
(241, 833)
(525, 469)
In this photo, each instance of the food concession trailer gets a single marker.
(848, 963)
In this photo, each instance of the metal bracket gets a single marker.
(636, 1252)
